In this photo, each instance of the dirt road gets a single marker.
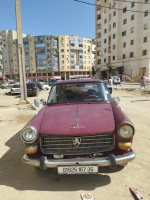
(21, 182)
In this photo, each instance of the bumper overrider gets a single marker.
(43, 162)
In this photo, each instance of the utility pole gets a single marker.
(21, 56)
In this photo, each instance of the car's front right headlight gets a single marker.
(29, 134)
(126, 131)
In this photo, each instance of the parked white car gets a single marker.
(45, 85)
(15, 89)
(116, 79)
(8, 85)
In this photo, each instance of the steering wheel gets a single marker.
(94, 96)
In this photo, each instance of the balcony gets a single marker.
(76, 67)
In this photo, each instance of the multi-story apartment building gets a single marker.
(1, 63)
(75, 56)
(10, 54)
(48, 56)
(123, 37)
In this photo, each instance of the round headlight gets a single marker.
(29, 134)
(126, 131)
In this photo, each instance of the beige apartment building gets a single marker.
(10, 54)
(75, 56)
(48, 56)
(1, 61)
(123, 37)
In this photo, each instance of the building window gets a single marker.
(113, 57)
(146, 1)
(114, 36)
(131, 42)
(132, 4)
(145, 13)
(132, 30)
(131, 55)
(124, 9)
(114, 13)
(132, 17)
(145, 39)
(105, 21)
(104, 60)
(98, 26)
(99, 16)
(105, 30)
(124, 33)
(99, 44)
(114, 46)
(145, 26)
(62, 50)
(105, 50)
(114, 25)
(98, 35)
(105, 40)
(124, 21)
(144, 52)
(99, 61)
(123, 56)
(124, 44)
(98, 7)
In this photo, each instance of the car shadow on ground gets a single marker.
(14, 173)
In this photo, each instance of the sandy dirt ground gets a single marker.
(22, 182)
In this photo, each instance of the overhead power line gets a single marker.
(108, 7)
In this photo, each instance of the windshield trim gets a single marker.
(57, 84)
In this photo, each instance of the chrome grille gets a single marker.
(88, 144)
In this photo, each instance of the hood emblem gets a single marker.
(76, 142)
(77, 121)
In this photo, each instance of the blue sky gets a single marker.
(50, 17)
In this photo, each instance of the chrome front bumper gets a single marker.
(102, 161)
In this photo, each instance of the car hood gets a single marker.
(81, 119)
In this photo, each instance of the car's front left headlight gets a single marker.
(126, 131)
(29, 134)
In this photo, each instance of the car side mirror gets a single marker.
(43, 102)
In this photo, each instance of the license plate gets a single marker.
(29, 89)
(90, 169)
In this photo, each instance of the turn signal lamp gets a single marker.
(31, 149)
(125, 146)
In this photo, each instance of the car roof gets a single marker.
(78, 81)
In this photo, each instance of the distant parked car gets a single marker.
(15, 89)
(45, 85)
(116, 79)
(32, 89)
(52, 81)
(8, 84)
(40, 86)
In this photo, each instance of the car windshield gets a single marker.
(78, 92)
(44, 83)
(16, 86)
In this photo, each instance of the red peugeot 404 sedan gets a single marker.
(79, 129)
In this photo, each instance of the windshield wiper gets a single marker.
(95, 100)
